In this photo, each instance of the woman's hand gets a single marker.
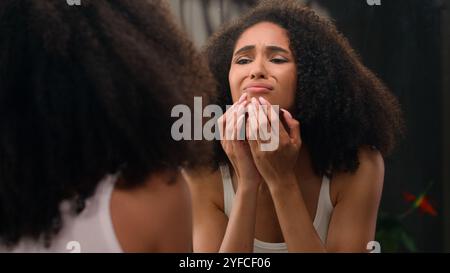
(238, 149)
(277, 166)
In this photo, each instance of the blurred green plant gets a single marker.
(392, 233)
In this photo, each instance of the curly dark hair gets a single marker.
(341, 105)
(87, 91)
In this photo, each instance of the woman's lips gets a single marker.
(258, 88)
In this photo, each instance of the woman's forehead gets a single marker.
(263, 34)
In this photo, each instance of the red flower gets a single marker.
(409, 197)
(422, 202)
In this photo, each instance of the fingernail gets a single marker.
(263, 101)
(254, 100)
(241, 99)
(287, 113)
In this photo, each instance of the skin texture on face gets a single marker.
(264, 66)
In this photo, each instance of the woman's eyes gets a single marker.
(277, 60)
(243, 61)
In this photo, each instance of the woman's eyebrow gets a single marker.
(270, 48)
(277, 49)
(245, 48)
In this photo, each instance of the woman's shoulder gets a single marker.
(162, 196)
(205, 184)
(366, 179)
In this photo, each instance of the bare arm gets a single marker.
(353, 221)
(354, 218)
(213, 231)
(240, 231)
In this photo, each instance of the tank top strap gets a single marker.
(228, 191)
(104, 193)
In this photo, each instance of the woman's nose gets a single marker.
(258, 70)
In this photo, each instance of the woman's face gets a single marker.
(264, 66)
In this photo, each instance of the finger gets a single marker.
(271, 115)
(264, 105)
(260, 117)
(254, 146)
(231, 108)
(231, 124)
(234, 127)
(240, 128)
(264, 127)
(229, 128)
(256, 105)
(240, 117)
(242, 98)
(221, 126)
(252, 142)
(226, 122)
(240, 109)
(294, 126)
(268, 109)
(277, 128)
(253, 122)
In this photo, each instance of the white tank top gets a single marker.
(90, 231)
(321, 219)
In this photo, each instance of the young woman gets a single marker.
(320, 190)
(87, 161)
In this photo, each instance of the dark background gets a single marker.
(402, 42)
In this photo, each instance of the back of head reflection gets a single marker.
(86, 152)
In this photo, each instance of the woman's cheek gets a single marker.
(234, 88)
(234, 91)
